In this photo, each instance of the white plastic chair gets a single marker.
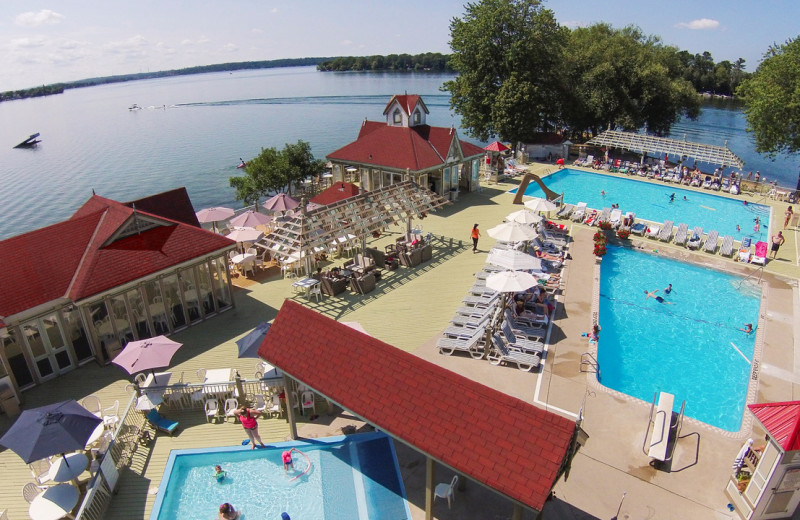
(275, 408)
(260, 404)
(31, 491)
(212, 409)
(307, 401)
(316, 292)
(140, 378)
(231, 405)
(201, 375)
(445, 490)
(92, 403)
(111, 415)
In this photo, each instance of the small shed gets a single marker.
(546, 146)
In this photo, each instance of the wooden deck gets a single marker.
(408, 310)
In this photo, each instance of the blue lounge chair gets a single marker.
(161, 423)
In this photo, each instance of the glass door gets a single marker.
(47, 347)
(16, 357)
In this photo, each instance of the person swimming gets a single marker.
(748, 328)
(659, 299)
(672, 197)
(219, 473)
(286, 457)
(668, 289)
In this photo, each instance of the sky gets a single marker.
(66, 40)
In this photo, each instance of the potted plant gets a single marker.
(599, 249)
(623, 233)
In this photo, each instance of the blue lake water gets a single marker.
(687, 346)
(651, 201)
(91, 141)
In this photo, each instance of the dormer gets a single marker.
(405, 110)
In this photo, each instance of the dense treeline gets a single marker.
(59, 88)
(400, 62)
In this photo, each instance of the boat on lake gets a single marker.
(30, 141)
(134, 107)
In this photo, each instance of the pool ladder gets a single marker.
(589, 364)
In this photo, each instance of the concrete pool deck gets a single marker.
(408, 310)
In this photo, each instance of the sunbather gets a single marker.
(548, 256)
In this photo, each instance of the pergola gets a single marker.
(362, 215)
(661, 145)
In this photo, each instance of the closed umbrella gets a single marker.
(512, 232)
(250, 219)
(248, 345)
(510, 281)
(147, 354)
(148, 401)
(513, 259)
(280, 202)
(50, 430)
(245, 234)
(539, 204)
(524, 216)
(214, 215)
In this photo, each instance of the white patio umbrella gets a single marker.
(513, 259)
(214, 215)
(510, 281)
(512, 232)
(245, 234)
(539, 204)
(524, 216)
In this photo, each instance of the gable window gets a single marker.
(397, 117)
(416, 117)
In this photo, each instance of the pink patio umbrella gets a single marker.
(147, 354)
(250, 219)
(245, 234)
(214, 215)
(280, 202)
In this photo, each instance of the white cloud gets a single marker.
(27, 43)
(203, 40)
(230, 47)
(273, 10)
(133, 46)
(700, 24)
(347, 42)
(256, 31)
(35, 19)
(187, 42)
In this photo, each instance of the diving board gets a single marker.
(661, 427)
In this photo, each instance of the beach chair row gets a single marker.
(695, 240)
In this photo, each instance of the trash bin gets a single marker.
(8, 401)
(454, 194)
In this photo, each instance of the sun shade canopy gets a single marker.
(661, 145)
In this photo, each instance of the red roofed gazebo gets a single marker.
(427, 407)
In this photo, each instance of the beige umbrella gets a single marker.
(512, 232)
(524, 216)
(539, 204)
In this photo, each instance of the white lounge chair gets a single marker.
(681, 235)
(654, 232)
(760, 253)
(465, 331)
(744, 254)
(579, 212)
(615, 218)
(523, 343)
(565, 211)
(710, 245)
(639, 228)
(471, 345)
(696, 239)
(666, 231)
(603, 216)
(501, 352)
(726, 249)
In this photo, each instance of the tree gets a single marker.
(506, 53)
(772, 100)
(275, 171)
(622, 78)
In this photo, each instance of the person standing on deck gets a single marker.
(788, 216)
(777, 242)
(476, 234)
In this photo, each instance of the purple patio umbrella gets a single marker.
(250, 218)
(280, 202)
(146, 354)
(50, 430)
(214, 215)
(245, 234)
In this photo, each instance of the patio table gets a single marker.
(67, 468)
(305, 284)
(105, 328)
(56, 502)
(96, 434)
(221, 379)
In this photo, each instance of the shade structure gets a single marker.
(280, 202)
(148, 401)
(539, 204)
(524, 216)
(513, 259)
(510, 281)
(248, 345)
(245, 234)
(512, 232)
(250, 219)
(496, 146)
(214, 214)
(147, 354)
(50, 430)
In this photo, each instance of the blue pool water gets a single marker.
(650, 201)
(354, 477)
(684, 348)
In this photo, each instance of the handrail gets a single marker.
(759, 270)
(592, 364)
(678, 427)
(649, 423)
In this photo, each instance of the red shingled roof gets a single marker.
(503, 442)
(339, 191)
(416, 148)
(68, 260)
(781, 420)
(407, 102)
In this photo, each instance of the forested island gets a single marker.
(432, 61)
(58, 88)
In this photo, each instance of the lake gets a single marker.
(193, 130)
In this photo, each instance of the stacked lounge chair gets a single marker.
(471, 344)
(711, 242)
(681, 235)
(523, 343)
(502, 352)
(523, 329)
(697, 238)
(726, 249)
(666, 231)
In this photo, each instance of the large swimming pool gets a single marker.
(687, 347)
(651, 201)
(353, 477)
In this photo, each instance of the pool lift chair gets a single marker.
(666, 431)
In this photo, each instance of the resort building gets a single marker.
(79, 290)
(405, 147)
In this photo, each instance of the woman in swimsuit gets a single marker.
(248, 419)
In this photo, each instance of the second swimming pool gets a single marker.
(686, 346)
(651, 201)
